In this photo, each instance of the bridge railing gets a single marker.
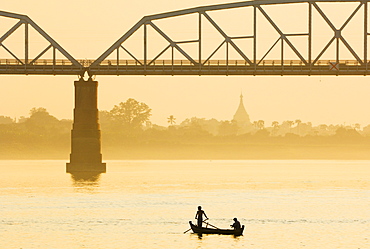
(42, 66)
(87, 62)
(38, 62)
(219, 62)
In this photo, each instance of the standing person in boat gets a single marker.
(236, 224)
(199, 216)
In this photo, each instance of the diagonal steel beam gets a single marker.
(351, 16)
(216, 26)
(41, 54)
(10, 52)
(118, 43)
(10, 31)
(350, 49)
(227, 38)
(155, 58)
(323, 51)
(53, 42)
(240, 52)
(273, 45)
(263, 57)
(341, 29)
(282, 34)
(131, 55)
(324, 16)
(173, 44)
(222, 43)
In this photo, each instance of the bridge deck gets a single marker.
(227, 70)
(184, 67)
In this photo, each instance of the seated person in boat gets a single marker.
(199, 216)
(236, 224)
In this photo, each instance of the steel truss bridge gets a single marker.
(250, 61)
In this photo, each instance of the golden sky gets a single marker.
(87, 28)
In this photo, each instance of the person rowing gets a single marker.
(236, 224)
(199, 216)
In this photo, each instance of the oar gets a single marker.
(211, 225)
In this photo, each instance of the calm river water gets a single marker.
(147, 204)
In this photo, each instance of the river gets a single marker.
(148, 204)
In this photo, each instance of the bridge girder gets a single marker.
(251, 59)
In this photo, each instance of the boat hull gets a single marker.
(206, 230)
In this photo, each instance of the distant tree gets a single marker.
(344, 133)
(323, 127)
(40, 117)
(22, 119)
(366, 130)
(275, 125)
(228, 128)
(209, 125)
(106, 121)
(298, 122)
(131, 114)
(43, 124)
(357, 126)
(262, 133)
(255, 124)
(171, 120)
(260, 124)
(39, 110)
(6, 120)
(290, 124)
(291, 137)
(148, 125)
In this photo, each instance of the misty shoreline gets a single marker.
(205, 152)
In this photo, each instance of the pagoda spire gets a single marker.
(241, 116)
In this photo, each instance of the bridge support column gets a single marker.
(86, 144)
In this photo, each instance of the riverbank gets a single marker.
(203, 152)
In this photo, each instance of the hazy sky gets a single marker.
(87, 28)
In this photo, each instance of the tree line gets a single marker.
(128, 123)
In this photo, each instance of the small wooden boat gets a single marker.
(207, 230)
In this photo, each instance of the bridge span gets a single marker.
(197, 55)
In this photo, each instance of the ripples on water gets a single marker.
(147, 204)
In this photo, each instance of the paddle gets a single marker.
(190, 228)
(211, 225)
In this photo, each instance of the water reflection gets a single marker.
(85, 180)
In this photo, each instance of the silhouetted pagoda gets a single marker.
(242, 118)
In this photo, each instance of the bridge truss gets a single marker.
(228, 57)
(251, 61)
(24, 63)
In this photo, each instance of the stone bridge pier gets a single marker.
(86, 136)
